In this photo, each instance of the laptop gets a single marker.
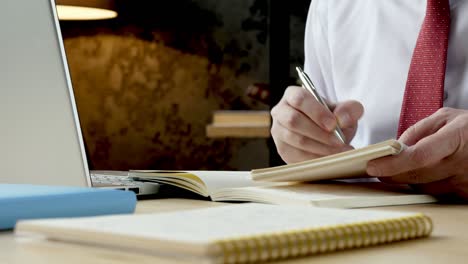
(40, 135)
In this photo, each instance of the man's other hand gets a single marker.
(436, 161)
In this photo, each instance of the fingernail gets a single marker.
(372, 170)
(329, 123)
(344, 120)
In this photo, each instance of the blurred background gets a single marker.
(148, 81)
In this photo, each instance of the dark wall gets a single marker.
(147, 82)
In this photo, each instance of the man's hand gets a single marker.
(303, 128)
(436, 161)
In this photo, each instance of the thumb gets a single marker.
(348, 113)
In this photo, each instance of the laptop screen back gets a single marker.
(40, 137)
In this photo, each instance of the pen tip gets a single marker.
(298, 69)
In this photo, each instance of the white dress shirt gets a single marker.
(362, 49)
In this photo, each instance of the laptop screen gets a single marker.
(40, 136)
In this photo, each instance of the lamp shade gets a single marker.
(85, 9)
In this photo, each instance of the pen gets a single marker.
(309, 86)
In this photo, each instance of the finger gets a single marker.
(301, 142)
(349, 133)
(304, 102)
(423, 128)
(348, 113)
(426, 152)
(420, 176)
(291, 154)
(297, 122)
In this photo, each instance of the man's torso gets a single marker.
(370, 47)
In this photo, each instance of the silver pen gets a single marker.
(309, 86)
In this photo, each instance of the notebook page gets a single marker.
(207, 225)
(340, 194)
(215, 180)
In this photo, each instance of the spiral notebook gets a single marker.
(236, 233)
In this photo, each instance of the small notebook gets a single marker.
(347, 164)
(242, 233)
(239, 186)
(24, 201)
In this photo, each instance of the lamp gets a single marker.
(85, 9)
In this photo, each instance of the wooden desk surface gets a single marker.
(448, 244)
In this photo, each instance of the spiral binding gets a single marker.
(275, 246)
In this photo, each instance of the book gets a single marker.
(241, 233)
(239, 123)
(241, 117)
(23, 201)
(239, 186)
(238, 131)
(348, 164)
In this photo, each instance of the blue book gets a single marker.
(22, 201)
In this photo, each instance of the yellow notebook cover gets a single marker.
(342, 165)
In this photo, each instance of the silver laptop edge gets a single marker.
(70, 91)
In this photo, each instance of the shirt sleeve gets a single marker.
(317, 49)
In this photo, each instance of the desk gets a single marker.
(448, 244)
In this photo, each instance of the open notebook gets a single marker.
(239, 186)
(242, 233)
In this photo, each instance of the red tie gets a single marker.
(425, 85)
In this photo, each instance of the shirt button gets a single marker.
(445, 95)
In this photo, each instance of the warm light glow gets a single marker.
(84, 13)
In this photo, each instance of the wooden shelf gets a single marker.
(238, 131)
(239, 124)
